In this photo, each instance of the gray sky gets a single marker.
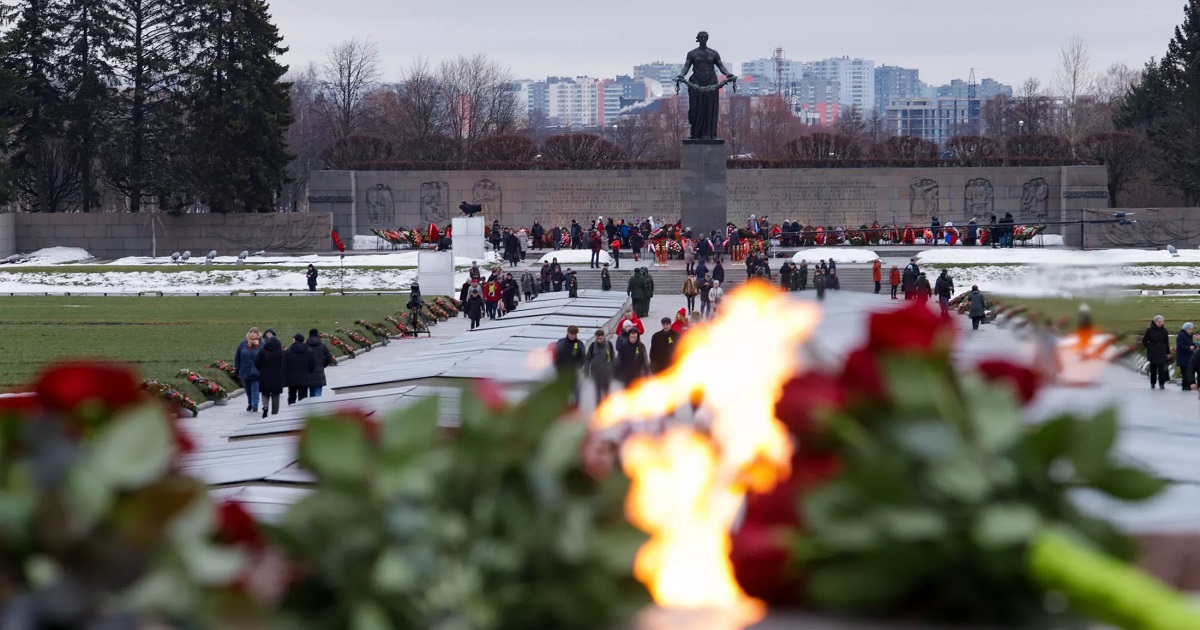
(1008, 40)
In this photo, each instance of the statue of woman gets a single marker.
(704, 106)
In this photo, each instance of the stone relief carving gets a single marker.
(488, 193)
(381, 206)
(435, 202)
(1155, 227)
(979, 199)
(923, 200)
(1035, 200)
(278, 232)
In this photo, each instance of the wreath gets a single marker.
(336, 342)
(228, 369)
(356, 337)
(211, 390)
(169, 394)
(380, 332)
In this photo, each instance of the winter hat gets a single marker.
(666, 320)
(312, 332)
(298, 337)
(681, 311)
(269, 331)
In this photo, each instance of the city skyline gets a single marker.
(534, 43)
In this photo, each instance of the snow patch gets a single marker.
(574, 257)
(56, 256)
(1041, 256)
(847, 256)
(407, 258)
(371, 242)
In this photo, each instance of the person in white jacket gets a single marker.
(716, 295)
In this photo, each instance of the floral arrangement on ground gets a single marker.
(209, 388)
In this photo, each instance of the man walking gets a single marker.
(637, 292)
(568, 358)
(595, 243)
(662, 347)
(944, 288)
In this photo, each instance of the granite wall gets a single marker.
(1152, 227)
(8, 234)
(111, 235)
(361, 200)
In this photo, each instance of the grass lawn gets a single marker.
(1129, 315)
(162, 335)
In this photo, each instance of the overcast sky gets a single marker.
(1007, 40)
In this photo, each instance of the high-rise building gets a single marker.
(815, 94)
(660, 71)
(620, 92)
(768, 70)
(936, 119)
(574, 102)
(986, 90)
(856, 78)
(531, 96)
(892, 82)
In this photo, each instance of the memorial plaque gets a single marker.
(798, 198)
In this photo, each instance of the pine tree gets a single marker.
(239, 109)
(88, 82)
(154, 42)
(1177, 135)
(1144, 105)
(45, 179)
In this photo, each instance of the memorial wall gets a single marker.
(361, 200)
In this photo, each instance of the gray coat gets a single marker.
(527, 282)
(599, 364)
(978, 306)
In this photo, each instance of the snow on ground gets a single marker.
(210, 280)
(1041, 256)
(842, 256)
(1067, 280)
(574, 257)
(54, 256)
(407, 258)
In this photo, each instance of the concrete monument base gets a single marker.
(467, 237)
(702, 190)
(435, 273)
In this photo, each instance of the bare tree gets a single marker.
(1123, 153)
(580, 148)
(833, 147)
(772, 124)
(975, 150)
(851, 123)
(670, 126)
(735, 123)
(905, 149)
(1076, 83)
(350, 73)
(997, 117)
(307, 137)
(633, 134)
(507, 148)
(1116, 82)
(876, 128)
(1030, 111)
(478, 97)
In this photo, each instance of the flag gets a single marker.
(337, 241)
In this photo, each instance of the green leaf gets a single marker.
(834, 514)
(393, 574)
(850, 585)
(960, 477)
(134, 449)
(90, 496)
(910, 523)
(1050, 440)
(411, 429)
(1006, 525)
(544, 405)
(926, 439)
(212, 565)
(1092, 442)
(560, 446)
(916, 384)
(616, 547)
(996, 420)
(334, 450)
(196, 522)
(1129, 484)
(369, 616)
(574, 532)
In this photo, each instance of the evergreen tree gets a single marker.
(239, 109)
(154, 43)
(1144, 105)
(45, 179)
(1177, 135)
(90, 39)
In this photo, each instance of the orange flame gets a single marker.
(687, 489)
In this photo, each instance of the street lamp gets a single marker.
(1022, 124)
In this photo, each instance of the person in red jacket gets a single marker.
(681, 324)
(491, 295)
(596, 244)
(877, 275)
(894, 278)
(631, 317)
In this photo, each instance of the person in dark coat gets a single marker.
(636, 242)
(632, 359)
(978, 306)
(803, 275)
(569, 357)
(510, 293)
(474, 307)
(785, 276)
(243, 363)
(556, 236)
(1185, 347)
(718, 272)
(545, 276)
(311, 276)
(1157, 343)
(831, 281)
(605, 279)
(322, 359)
(599, 363)
(270, 372)
(462, 294)
(298, 367)
(662, 347)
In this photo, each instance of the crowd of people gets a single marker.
(1159, 355)
(266, 368)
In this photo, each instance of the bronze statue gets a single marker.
(704, 91)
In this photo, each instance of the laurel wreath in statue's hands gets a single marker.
(729, 79)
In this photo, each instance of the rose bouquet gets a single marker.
(918, 492)
(211, 390)
(356, 337)
(440, 314)
(447, 305)
(455, 303)
(228, 369)
(169, 394)
(380, 332)
(338, 343)
(400, 326)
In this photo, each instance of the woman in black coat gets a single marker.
(633, 362)
(270, 374)
(298, 368)
(1157, 342)
(474, 308)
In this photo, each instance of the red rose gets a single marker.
(779, 506)
(18, 404)
(183, 441)
(813, 469)
(914, 328)
(66, 387)
(803, 397)
(490, 394)
(1023, 380)
(861, 377)
(363, 419)
(760, 557)
(236, 526)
